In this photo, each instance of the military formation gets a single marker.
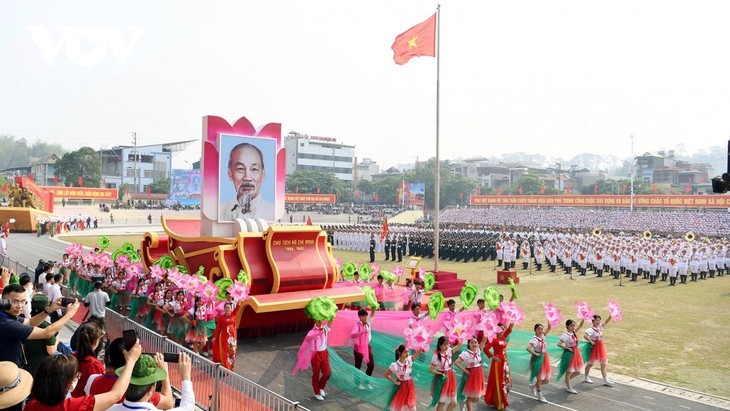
(634, 256)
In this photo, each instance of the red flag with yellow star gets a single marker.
(419, 40)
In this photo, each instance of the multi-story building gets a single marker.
(304, 152)
(138, 167)
(43, 169)
(366, 169)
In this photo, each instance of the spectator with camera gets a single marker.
(58, 375)
(113, 360)
(15, 330)
(145, 375)
(37, 350)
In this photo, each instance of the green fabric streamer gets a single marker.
(460, 387)
(564, 361)
(437, 385)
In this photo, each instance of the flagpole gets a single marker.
(438, 162)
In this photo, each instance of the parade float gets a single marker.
(287, 265)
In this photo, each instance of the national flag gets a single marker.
(419, 40)
(357, 194)
(653, 188)
(499, 191)
(542, 190)
(81, 182)
(55, 180)
(126, 190)
(31, 177)
(461, 196)
(519, 190)
(479, 191)
(5, 187)
(309, 220)
(623, 190)
(595, 188)
(149, 191)
(384, 230)
(317, 189)
(567, 190)
(296, 190)
(688, 189)
(376, 197)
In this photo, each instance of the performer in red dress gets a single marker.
(224, 338)
(403, 398)
(597, 353)
(499, 382)
(471, 386)
(539, 362)
(571, 362)
(443, 388)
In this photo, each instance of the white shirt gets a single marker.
(595, 333)
(401, 370)
(568, 340)
(187, 401)
(471, 359)
(538, 344)
(444, 364)
(230, 210)
(320, 342)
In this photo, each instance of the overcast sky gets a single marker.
(552, 77)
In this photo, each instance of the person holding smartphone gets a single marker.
(15, 330)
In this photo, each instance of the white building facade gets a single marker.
(315, 153)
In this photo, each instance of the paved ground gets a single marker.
(269, 361)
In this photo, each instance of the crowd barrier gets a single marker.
(216, 388)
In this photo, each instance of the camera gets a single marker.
(5, 304)
(65, 302)
(721, 184)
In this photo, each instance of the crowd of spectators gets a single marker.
(708, 223)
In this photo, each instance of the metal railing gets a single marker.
(216, 388)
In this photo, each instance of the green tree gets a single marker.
(530, 183)
(17, 153)
(307, 182)
(83, 163)
(161, 186)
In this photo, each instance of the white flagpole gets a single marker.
(437, 207)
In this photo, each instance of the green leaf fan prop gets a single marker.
(512, 287)
(370, 298)
(364, 271)
(223, 285)
(321, 309)
(435, 304)
(468, 294)
(388, 276)
(348, 270)
(201, 275)
(491, 297)
(429, 280)
(244, 278)
(104, 242)
(165, 262)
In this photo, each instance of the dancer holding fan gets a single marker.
(571, 361)
(443, 388)
(539, 362)
(596, 351)
(403, 398)
(499, 382)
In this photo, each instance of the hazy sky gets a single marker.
(551, 77)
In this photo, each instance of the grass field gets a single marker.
(675, 335)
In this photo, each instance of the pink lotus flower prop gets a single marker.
(552, 313)
(512, 313)
(74, 250)
(104, 260)
(614, 310)
(418, 337)
(89, 258)
(209, 292)
(421, 273)
(156, 272)
(374, 269)
(460, 328)
(488, 325)
(123, 261)
(239, 291)
(397, 271)
(584, 310)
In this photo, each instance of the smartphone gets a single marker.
(130, 338)
(168, 356)
(65, 302)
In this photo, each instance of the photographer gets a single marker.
(14, 331)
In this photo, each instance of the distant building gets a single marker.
(43, 169)
(153, 163)
(664, 168)
(366, 169)
(304, 152)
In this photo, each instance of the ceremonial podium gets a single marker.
(503, 276)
